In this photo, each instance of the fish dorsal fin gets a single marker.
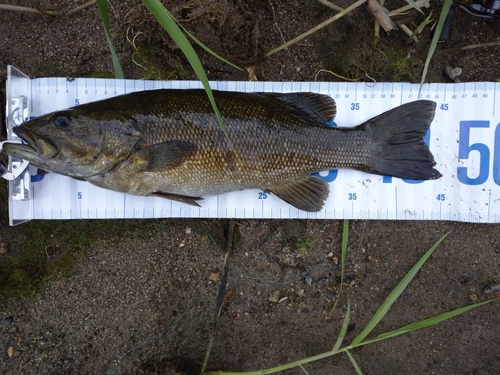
(307, 194)
(307, 106)
(164, 155)
(179, 198)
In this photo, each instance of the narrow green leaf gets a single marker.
(354, 363)
(102, 6)
(414, 5)
(206, 47)
(303, 369)
(169, 24)
(343, 329)
(424, 23)
(393, 296)
(435, 39)
(424, 323)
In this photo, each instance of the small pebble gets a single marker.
(350, 327)
(307, 278)
(492, 288)
(453, 73)
(10, 351)
(300, 292)
(188, 230)
(274, 296)
(7, 321)
(473, 297)
(467, 279)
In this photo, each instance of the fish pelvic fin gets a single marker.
(307, 194)
(402, 152)
(179, 198)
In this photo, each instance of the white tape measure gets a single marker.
(464, 138)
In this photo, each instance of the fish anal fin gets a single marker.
(179, 198)
(307, 194)
(307, 106)
(164, 155)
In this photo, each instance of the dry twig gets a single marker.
(380, 15)
(316, 28)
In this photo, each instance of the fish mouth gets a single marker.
(38, 145)
(21, 151)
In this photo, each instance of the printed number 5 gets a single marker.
(79, 195)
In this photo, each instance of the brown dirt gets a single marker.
(142, 299)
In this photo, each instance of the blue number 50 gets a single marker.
(464, 149)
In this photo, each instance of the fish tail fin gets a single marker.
(402, 152)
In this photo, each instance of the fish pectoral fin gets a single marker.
(307, 194)
(163, 155)
(179, 198)
(307, 106)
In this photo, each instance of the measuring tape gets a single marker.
(464, 138)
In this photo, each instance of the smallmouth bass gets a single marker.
(168, 143)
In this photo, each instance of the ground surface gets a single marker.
(140, 296)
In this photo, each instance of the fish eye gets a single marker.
(61, 121)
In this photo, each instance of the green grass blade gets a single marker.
(303, 369)
(414, 5)
(393, 296)
(170, 25)
(102, 6)
(206, 48)
(354, 363)
(424, 323)
(343, 329)
(435, 39)
(424, 23)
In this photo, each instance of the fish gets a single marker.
(169, 143)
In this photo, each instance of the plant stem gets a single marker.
(80, 7)
(19, 9)
(314, 29)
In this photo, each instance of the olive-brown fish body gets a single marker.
(176, 148)
(270, 146)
